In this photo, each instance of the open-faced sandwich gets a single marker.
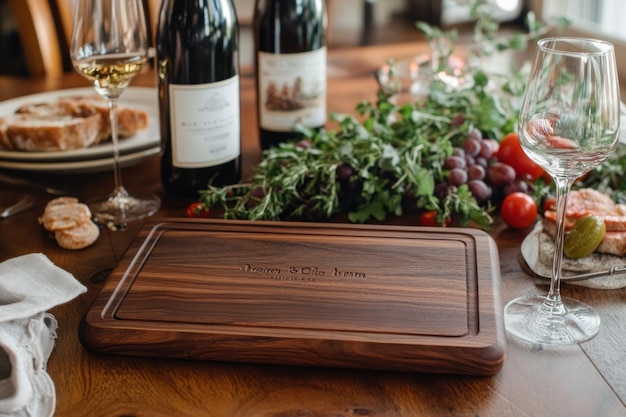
(588, 202)
(595, 239)
(65, 124)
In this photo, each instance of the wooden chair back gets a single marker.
(43, 52)
(45, 30)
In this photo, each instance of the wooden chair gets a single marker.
(45, 30)
(41, 41)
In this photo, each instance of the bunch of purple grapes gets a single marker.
(474, 162)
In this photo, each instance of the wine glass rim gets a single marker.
(602, 47)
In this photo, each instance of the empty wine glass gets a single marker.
(569, 124)
(109, 46)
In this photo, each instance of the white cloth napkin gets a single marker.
(30, 285)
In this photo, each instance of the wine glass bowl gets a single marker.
(110, 75)
(569, 124)
(109, 47)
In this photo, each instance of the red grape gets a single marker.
(458, 176)
(500, 174)
(486, 150)
(454, 162)
(480, 190)
(472, 147)
(476, 172)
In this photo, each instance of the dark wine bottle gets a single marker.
(290, 58)
(197, 44)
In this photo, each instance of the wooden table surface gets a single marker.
(583, 380)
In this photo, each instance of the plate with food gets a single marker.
(73, 125)
(599, 248)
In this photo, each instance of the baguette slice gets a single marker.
(64, 215)
(78, 237)
(69, 222)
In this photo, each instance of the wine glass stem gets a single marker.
(119, 188)
(553, 303)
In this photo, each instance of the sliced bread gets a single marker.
(67, 123)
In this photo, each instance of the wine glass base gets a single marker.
(524, 318)
(118, 209)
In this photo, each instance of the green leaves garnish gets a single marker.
(384, 162)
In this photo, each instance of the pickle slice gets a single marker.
(585, 237)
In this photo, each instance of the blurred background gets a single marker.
(351, 23)
(367, 22)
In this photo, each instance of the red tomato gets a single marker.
(519, 210)
(429, 218)
(198, 210)
(511, 153)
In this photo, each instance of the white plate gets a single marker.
(530, 254)
(136, 97)
(80, 167)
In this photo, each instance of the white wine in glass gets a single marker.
(569, 124)
(109, 47)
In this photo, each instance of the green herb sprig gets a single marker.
(384, 162)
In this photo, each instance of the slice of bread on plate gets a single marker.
(23, 132)
(130, 120)
(67, 123)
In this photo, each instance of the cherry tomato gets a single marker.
(511, 153)
(518, 210)
(198, 210)
(429, 218)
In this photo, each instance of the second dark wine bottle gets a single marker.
(197, 47)
(290, 58)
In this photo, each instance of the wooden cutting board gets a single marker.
(334, 295)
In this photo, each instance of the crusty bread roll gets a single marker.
(65, 124)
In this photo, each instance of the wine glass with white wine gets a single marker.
(109, 47)
(569, 124)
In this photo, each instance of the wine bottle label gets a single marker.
(205, 123)
(292, 89)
